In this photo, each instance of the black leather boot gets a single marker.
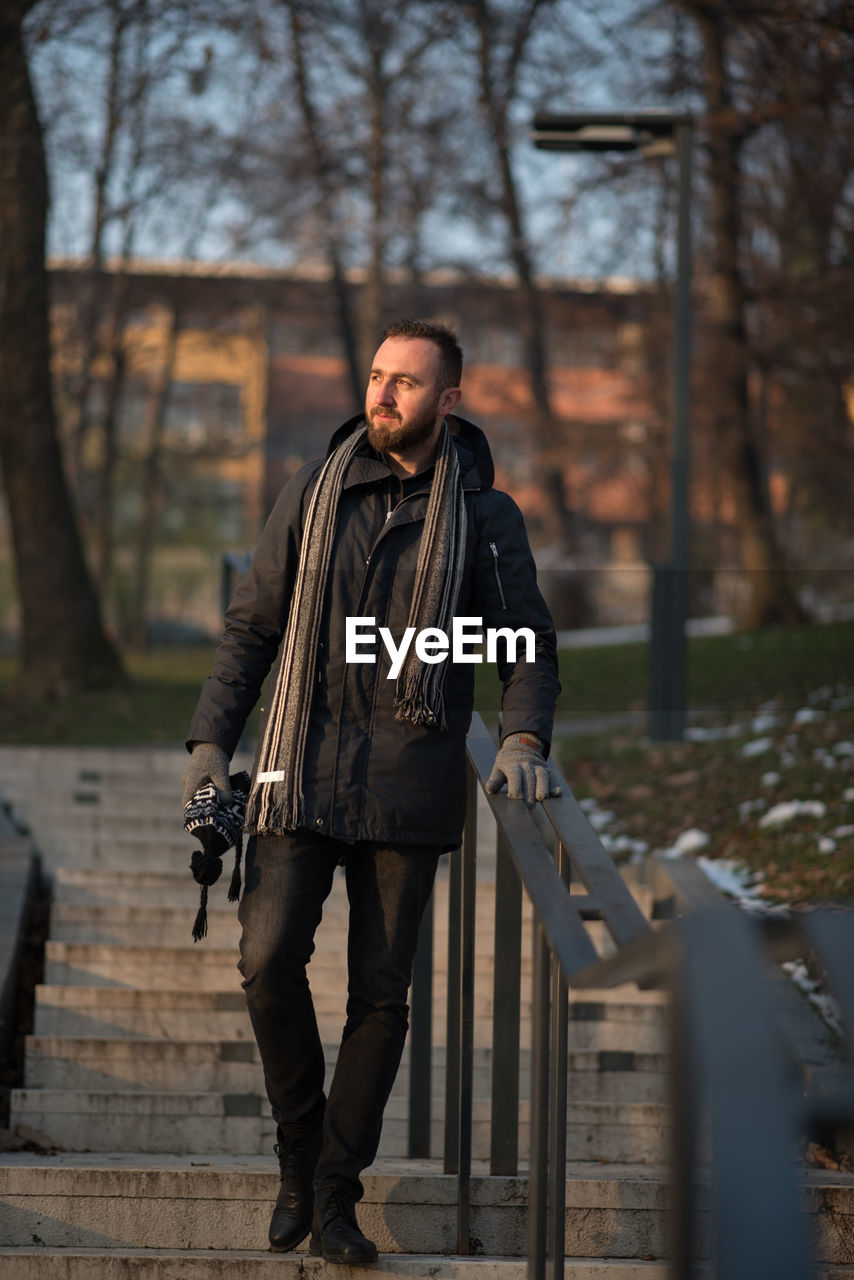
(335, 1235)
(297, 1149)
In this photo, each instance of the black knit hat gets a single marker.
(218, 824)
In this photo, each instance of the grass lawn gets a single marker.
(789, 749)
(155, 708)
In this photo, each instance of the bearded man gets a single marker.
(399, 525)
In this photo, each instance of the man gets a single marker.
(364, 761)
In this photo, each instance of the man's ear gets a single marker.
(449, 399)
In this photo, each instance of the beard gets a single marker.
(403, 435)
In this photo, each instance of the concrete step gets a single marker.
(116, 1120)
(200, 1201)
(75, 1202)
(127, 766)
(172, 926)
(112, 851)
(211, 1264)
(170, 923)
(216, 1264)
(234, 1066)
(174, 888)
(604, 1023)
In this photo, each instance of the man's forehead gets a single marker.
(417, 356)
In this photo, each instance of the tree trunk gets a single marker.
(326, 206)
(104, 532)
(63, 641)
(93, 296)
(560, 524)
(770, 592)
(569, 599)
(151, 483)
(373, 289)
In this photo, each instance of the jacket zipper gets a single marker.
(497, 575)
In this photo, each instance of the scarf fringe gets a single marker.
(200, 925)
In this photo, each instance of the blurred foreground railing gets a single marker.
(738, 1110)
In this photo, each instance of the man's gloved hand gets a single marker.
(207, 761)
(521, 764)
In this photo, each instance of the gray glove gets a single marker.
(207, 761)
(521, 764)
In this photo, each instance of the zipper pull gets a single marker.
(494, 549)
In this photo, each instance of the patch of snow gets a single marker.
(787, 760)
(844, 748)
(757, 747)
(820, 695)
(843, 703)
(639, 848)
(731, 877)
(843, 832)
(826, 844)
(807, 715)
(686, 842)
(768, 708)
(789, 809)
(770, 779)
(825, 1004)
(600, 818)
(588, 803)
(762, 723)
(714, 733)
(848, 795)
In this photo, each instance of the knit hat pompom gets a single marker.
(217, 824)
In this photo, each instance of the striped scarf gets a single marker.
(276, 800)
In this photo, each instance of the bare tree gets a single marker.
(772, 596)
(63, 641)
(325, 182)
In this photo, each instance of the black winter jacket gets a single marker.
(368, 776)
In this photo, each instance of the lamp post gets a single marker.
(655, 133)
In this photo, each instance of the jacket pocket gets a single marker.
(494, 550)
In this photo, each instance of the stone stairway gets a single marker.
(143, 1074)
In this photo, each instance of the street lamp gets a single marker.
(656, 133)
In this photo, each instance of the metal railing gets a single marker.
(737, 1169)
(562, 948)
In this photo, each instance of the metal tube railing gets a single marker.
(558, 1097)
(724, 1052)
(421, 1041)
(506, 994)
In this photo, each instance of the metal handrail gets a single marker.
(724, 1033)
(562, 949)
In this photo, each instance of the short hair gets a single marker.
(442, 337)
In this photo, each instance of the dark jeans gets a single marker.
(288, 878)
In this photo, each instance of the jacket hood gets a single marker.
(476, 466)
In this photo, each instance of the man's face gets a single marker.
(404, 404)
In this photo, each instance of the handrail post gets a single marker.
(506, 991)
(557, 1100)
(452, 1013)
(466, 1034)
(537, 1192)
(421, 1041)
